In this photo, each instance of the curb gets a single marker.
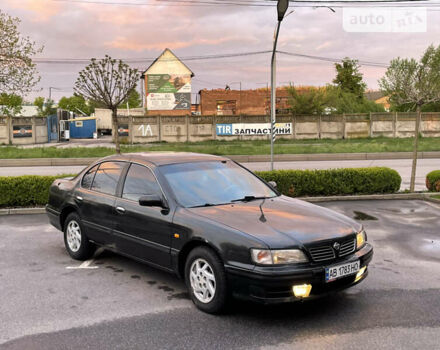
(393, 196)
(237, 158)
(22, 211)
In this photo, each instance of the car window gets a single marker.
(88, 177)
(107, 177)
(140, 181)
(213, 183)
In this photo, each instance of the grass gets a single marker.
(437, 196)
(282, 146)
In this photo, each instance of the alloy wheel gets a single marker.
(202, 280)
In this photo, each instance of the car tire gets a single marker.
(76, 242)
(206, 281)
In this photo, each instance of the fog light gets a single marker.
(360, 273)
(302, 290)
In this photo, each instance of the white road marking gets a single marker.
(86, 264)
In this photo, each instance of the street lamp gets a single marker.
(282, 7)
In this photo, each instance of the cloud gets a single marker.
(92, 30)
(39, 10)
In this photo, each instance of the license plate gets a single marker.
(334, 272)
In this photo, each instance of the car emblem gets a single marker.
(336, 246)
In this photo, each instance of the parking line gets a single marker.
(86, 264)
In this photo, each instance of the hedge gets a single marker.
(25, 191)
(433, 181)
(32, 190)
(298, 183)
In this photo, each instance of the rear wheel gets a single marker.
(76, 242)
(206, 280)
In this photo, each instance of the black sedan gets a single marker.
(217, 225)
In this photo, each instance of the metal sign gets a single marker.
(236, 129)
(22, 131)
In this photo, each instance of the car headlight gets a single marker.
(274, 257)
(361, 238)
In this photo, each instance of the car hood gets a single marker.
(282, 221)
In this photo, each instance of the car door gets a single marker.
(143, 232)
(96, 198)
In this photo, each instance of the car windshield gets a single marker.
(213, 183)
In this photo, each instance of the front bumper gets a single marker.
(274, 284)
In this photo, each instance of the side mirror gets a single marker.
(273, 184)
(152, 200)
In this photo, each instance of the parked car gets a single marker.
(212, 222)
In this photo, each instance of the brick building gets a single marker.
(236, 102)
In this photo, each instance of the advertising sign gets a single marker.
(123, 130)
(22, 131)
(235, 129)
(168, 91)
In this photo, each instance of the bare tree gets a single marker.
(408, 81)
(18, 74)
(108, 82)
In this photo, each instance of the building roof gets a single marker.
(161, 56)
(374, 95)
(164, 158)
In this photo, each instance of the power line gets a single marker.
(265, 3)
(333, 60)
(150, 59)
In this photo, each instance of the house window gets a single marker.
(226, 107)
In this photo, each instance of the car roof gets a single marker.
(164, 158)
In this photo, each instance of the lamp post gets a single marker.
(282, 7)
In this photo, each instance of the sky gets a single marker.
(70, 29)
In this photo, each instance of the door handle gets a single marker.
(79, 198)
(120, 210)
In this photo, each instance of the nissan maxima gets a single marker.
(212, 222)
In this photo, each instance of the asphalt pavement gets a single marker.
(49, 301)
(403, 166)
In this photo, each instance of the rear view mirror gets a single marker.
(151, 200)
(273, 184)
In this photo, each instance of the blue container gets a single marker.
(82, 128)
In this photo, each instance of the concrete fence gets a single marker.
(23, 130)
(143, 129)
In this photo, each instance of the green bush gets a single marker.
(32, 190)
(298, 183)
(25, 191)
(433, 181)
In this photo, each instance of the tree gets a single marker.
(10, 104)
(407, 82)
(133, 99)
(18, 74)
(108, 82)
(348, 77)
(44, 107)
(309, 101)
(340, 101)
(76, 104)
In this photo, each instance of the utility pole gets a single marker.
(282, 7)
(50, 91)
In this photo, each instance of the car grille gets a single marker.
(347, 247)
(322, 253)
(326, 252)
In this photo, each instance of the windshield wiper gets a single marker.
(208, 205)
(249, 198)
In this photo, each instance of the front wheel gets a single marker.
(76, 242)
(206, 280)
